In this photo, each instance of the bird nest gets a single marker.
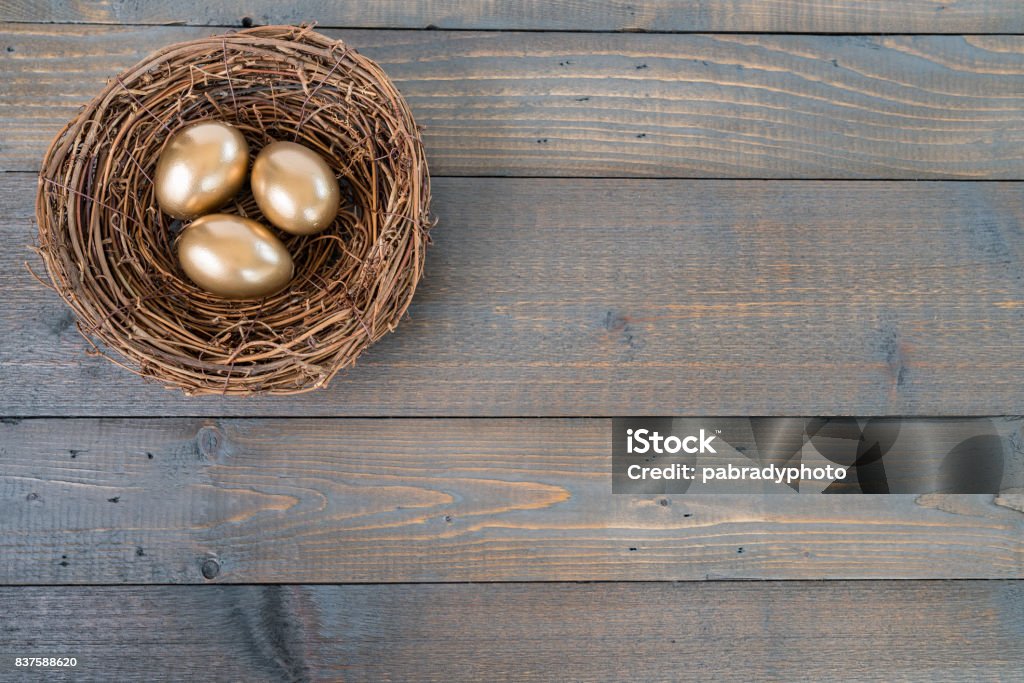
(110, 252)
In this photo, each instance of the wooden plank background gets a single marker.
(295, 501)
(870, 630)
(607, 297)
(721, 216)
(780, 16)
(578, 104)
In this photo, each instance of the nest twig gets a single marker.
(110, 252)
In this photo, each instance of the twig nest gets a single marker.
(111, 252)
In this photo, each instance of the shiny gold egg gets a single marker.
(202, 167)
(234, 257)
(295, 188)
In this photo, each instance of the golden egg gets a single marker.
(202, 167)
(234, 257)
(295, 188)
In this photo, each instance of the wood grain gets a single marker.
(549, 104)
(777, 16)
(295, 501)
(612, 297)
(874, 630)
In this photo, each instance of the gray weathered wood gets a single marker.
(611, 297)
(551, 104)
(278, 500)
(874, 630)
(783, 16)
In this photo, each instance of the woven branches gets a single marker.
(109, 251)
